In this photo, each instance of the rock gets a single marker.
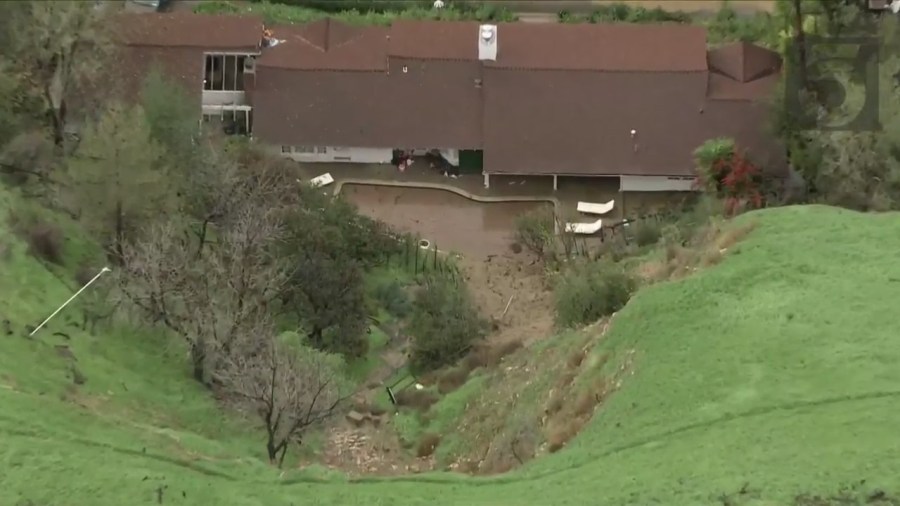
(356, 418)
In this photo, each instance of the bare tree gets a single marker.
(211, 300)
(290, 387)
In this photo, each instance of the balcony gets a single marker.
(224, 79)
(223, 97)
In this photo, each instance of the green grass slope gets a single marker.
(777, 369)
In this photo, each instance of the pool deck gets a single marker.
(471, 186)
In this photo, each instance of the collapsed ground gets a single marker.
(755, 345)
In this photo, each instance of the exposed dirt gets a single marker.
(535, 403)
(374, 447)
(369, 449)
(516, 285)
(451, 222)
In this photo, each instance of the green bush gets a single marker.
(624, 13)
(729, 26)
(591, 290)
(444, 324)
(646, 232)
(216, 7)
(359, 5)
(359, 12)
(534, 231)
(45, 239)
(391, 295)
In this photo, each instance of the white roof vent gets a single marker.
(487, 42)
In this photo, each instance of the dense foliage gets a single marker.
(726, 173)
(444, 325)
(588, 291)
(358, 12)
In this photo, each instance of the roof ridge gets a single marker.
(599, 71)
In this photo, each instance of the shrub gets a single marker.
(444, 324)
(726, 172)
(590, 291)
(534, 230)
(623, 13)
(428, 444)
(647, 232)
(44, 239)
(729, 26)
(392, 296)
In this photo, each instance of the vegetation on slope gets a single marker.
(774, 370)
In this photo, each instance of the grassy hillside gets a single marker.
(775, 372)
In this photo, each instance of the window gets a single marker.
(304, 150)
(321, 150)
(224, 72)
(285, 149)
(340, 149)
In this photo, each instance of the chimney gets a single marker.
(487, 42)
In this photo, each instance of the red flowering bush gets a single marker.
(730, 175)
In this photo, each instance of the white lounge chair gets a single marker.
(593, 208)
(320, 181)
(584, 228)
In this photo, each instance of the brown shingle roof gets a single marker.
(744, 62)
(561, 99)
(579, 123)
(431, 105)
(327, 45)
(725, 88)
(190, 30)
(602, 47)
(181, 65)
(606, 47)
(434, 40)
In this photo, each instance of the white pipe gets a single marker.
(66, 303)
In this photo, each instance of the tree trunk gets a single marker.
(800, 42)
(201, 237)
(120, 235)
(58, 127)
(284, 448)
(198, 358)
(315, 337)
(271, 449)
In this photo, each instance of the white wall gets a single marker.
(656, 184)
(224, 97)
(337, 154)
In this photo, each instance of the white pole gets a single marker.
(66, 303)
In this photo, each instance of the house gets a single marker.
(210, 56)
(555, 100)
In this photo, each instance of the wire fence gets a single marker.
(419, 256)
